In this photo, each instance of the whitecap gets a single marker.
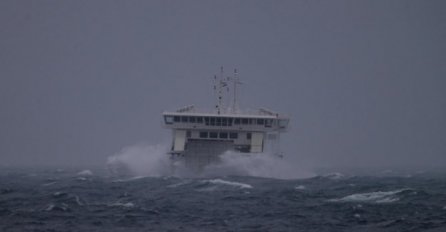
(125, 205)
(50, 207)
(78, 200)
(179, 184)
(48, 184)
(334, 176)
(229, 183)
(85, 173)
(387, 200)
(372, 197)
(62, 207)
(59, 194)
(259, 165)
(140, 160)
(129, 179)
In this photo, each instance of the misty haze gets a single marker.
(95, 128)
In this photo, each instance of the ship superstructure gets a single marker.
(199, 137)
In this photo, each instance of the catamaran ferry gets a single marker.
(200, 137)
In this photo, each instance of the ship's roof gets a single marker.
(220, 115)
(192, 111)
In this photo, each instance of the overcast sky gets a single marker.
(363, 81)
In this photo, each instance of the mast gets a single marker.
(219, 90)
(235, 82)
(219, 83)
(234, 104)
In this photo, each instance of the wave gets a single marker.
(149, 160)
(334, 176)
(50, 183)
(85, 173)
(256, 165)
(134, 178)
(57, 207)
(229, 183)
(182, 183)
(372, 197)
(124, 205)
(140, 160)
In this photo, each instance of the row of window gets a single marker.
(219, 121)
(220, 135)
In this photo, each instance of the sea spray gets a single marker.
(140, 160)
(256, 165)
(153, 160)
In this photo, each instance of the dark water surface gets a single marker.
(66, 200)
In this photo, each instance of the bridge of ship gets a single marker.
(243, 132)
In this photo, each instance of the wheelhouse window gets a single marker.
(184, 119)
(206, 120)
(224, 121)
(245, 121)
(248, 136)
(218, 122)
(188, 134)
(223, 135)
(176, 118)
(283, 123)
(168, 119)
(203, 134)
(233, 135)
(192, 119)
(268, 122)
(212, 121)
(213, 135)
(260, 121)
(237, 121)
(199, 120)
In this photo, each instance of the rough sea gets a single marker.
(77, 199)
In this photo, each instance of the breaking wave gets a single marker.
(149, 160)
(229, 183)
(257, 165)
(85, 173)
(140, 160)
(372, 197)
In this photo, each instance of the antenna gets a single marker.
(235, 82)
(234, 104)
(215, 90)
(221, 83)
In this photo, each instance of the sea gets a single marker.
(96, 199)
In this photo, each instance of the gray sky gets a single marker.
(363, 81)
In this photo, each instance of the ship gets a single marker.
(200, 137)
